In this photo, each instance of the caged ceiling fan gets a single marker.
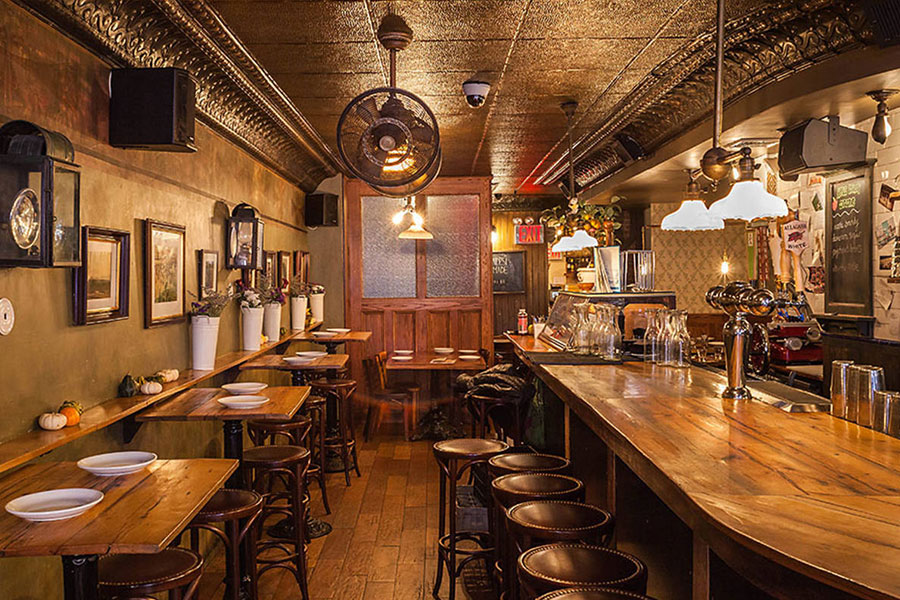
(387, 136)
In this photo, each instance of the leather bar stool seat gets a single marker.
(174, 570)
(553, 567)
(592, 593)
(273, 457)
(521, 487)
(545, 521)
(228, 505)
(468, 448)
(527, 462)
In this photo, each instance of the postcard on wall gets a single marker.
(885, 232)
(884, 262)
(886, 196)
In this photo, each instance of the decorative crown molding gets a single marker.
(235, 95)
(764, 46)
(525, 203)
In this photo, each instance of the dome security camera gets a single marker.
(476, 92)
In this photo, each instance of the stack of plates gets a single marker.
(244, 387)
(113, 464)
(243, 402)
(54, 505)
(311, 354)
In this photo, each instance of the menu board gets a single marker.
(848, 245)
(509, 272)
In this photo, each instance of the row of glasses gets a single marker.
(666, 338)
(858, 395)
(596, 331)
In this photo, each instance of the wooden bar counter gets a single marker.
(798, 505)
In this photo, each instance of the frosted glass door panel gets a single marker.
(389, 263)
(453, 255)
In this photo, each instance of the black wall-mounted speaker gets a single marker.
(152, 109)
(321, 210)
(820, 145)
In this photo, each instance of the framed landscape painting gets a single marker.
(208, 274)
(163, 273)
(284, 269)
(101, 282)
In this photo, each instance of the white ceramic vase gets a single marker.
(298, 312)
(272, 321)
(251, 327)
(317, 306)
(204, 339)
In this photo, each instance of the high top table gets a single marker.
(140, 513)
(332, 342)
(300, 373)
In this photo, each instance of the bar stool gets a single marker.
(288, 463)
(345, 440)
(454, 458)
(547, 521)
(488, 409)
(527, 462)
(592, 593)
(239, 511)
(515, 488)
(314, 407)
(553, 567)
(174, 570)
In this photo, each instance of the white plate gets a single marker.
(406, 357)
(112, 464)
(244, 387)
(468, 351)
(469, 357)
(443, 350)
(404, 352)
(324, 334)
(54, 505)
(297, 360)
(338, 330)
(312, 354)
(243, 402)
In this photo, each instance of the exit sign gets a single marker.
(530, 234)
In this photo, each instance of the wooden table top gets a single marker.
(528, 343)
(350, 336)
(201, 404)
(809, 491)
(142, 512)
(422, 362)
(276, 361)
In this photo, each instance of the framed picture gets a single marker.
(101, 282)
(270, 264)
(284, 268)
(301, 265)
(208, 273)
(249, 277)
(163, 273)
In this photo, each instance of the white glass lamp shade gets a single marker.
(577, 241)
(416, 232)
(692, 215)
(749, 200)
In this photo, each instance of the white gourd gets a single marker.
(151, 387)
(52, 421)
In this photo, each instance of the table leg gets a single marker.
(234, 448)
(80, 579)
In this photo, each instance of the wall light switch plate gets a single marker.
(7, 316)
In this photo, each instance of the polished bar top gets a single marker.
(809, 491)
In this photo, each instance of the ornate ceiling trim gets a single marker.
(760, 48)
(525, 203)
(235, 95)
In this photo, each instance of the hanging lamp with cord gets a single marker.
(692, 215)
(748, 198)
(416, 229)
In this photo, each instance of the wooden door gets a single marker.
(419, 294)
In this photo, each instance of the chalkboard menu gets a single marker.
(509, 272)
(848, 245)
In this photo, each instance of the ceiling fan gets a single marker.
(387, 136)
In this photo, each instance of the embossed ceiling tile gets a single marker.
(296, 22)
(597, 18)
(513, 101)
(580, 85)
(696, 18)
(469, 56)
(438, 84)
(600, 55)
(657, 52)
(328, 85)
(281, 58)
(455, 19)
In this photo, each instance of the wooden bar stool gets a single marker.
(506, 414)
(514, 488)
(238, 511)
(287, 463)
(127, 576)
(527, 462)
(592, 593)
(553, 567)
(314, 408)
(454, 458)
(344, 442)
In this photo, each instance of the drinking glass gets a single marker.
(665, 317)
(870, 380)
(892, 413)
(840, 370)
(881, 402)
(678, 343)
(854, 372)
(615, 334)
(581, 340)
(651, 353)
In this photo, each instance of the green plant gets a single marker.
(598, 220)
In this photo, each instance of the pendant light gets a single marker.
(881, 129)
(416, 230)
(748, 198)
(692, 215)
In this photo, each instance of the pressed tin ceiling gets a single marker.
(535, 53)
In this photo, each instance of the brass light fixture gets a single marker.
(882, 127)
(416, 229)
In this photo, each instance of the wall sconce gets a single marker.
(495, 235)
(244, 242)
(882, 127)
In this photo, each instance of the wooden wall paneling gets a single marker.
(537, 285)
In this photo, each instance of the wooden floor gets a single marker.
(385, 530)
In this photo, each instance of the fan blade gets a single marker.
(365, 164)
(422, 132)
(368, 110)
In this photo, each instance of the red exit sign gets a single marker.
(530, 234)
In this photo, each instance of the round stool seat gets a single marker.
(525, 462)
(332, 384)
(521, 487)
(556, 566)
(559, 520)
(173, 567)
(274, 456)
(468, 448)
(314, 401)
(298, 423)
(592, 593)
(229, 505)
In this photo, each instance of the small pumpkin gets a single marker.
(73, 404)
(167, 375)
(149, 388)
(52, 421)
(73, 417)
